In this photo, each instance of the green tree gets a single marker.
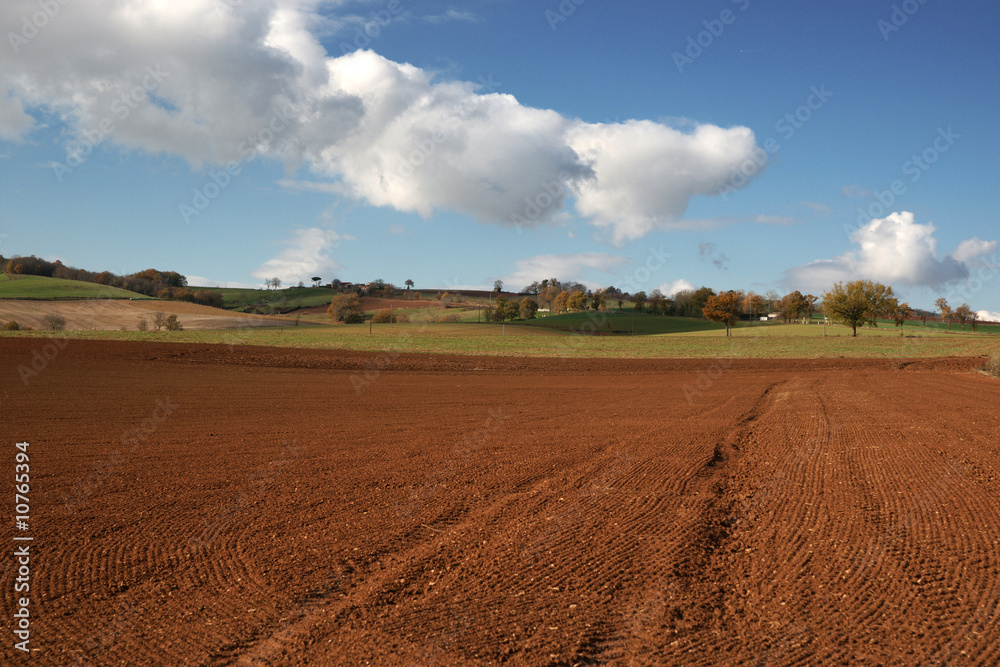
(528, 308)
(598, 299)
(500, 308)
(859, 302)
(639, 301)
(700, 298)
(724, 308)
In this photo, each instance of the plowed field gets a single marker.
(198, 504)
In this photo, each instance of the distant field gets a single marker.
(115, 314)
(911, 325)
(772, 341)
(40, 287)
(292, 297)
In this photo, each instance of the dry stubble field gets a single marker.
(198, 504)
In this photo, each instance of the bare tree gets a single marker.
(962, 314)
(159, 317)
(55, 322)
(942, 305)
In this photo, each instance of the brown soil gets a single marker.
(111, 315)
(195, 504)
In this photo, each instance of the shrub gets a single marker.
(55, 322)
(346, 308)
(402, 317)
(449, 318)
(12, 326)
(172, 324)
(993, 365)
(143, 324)
(384, 316)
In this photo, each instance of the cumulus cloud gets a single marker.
(645, 173)
(563, 267)
(679, 285)
(972, 250)
(306, 255)
(988, 316)
(895, 250)
(217, 82)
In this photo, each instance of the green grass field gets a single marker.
(772, 341)
(40, 287)
(622, 323)
(234, 298)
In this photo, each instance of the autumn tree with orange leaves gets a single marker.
(724, 308)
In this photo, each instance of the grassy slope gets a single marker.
(40, 287)
(780, 341)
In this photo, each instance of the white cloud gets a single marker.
(679, 285)
(563, 267)
(855, 192)
(816, 207)
(894, 250)
(453, 15)
(307, 255)
(988, 316)
(972, 249)
(645, 173)
(14, 122)
(214, 84)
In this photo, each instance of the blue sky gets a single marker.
(585, 140)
